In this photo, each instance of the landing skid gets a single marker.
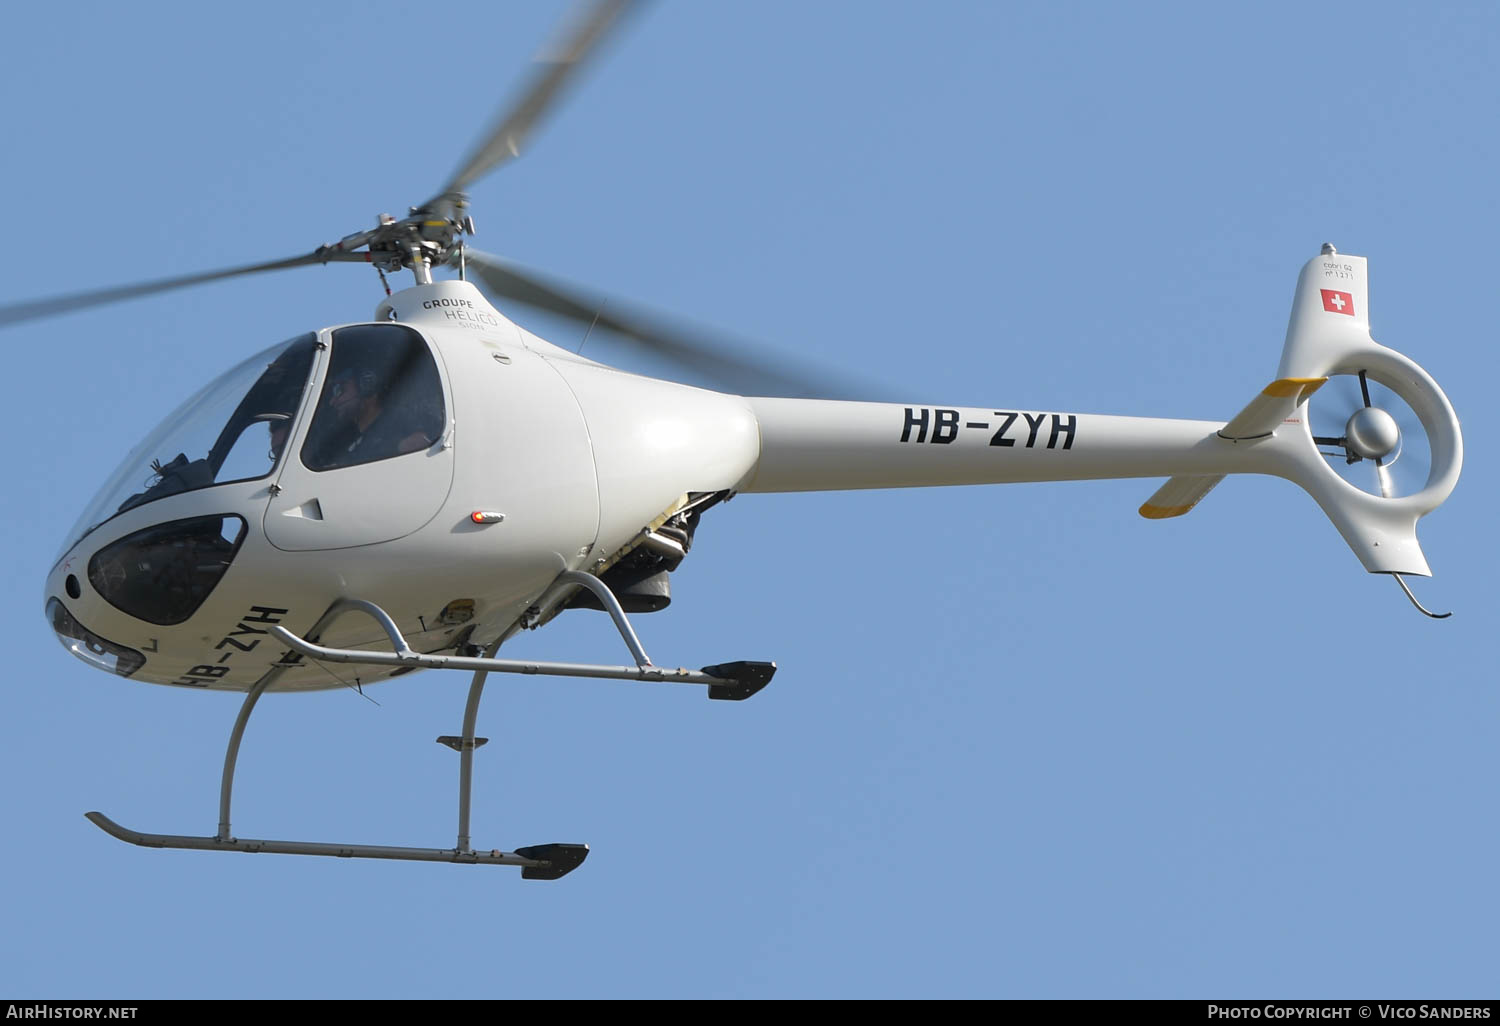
(726, 681)
(542, 862)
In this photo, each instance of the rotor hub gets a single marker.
(1372, 433)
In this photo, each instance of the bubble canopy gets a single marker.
(226, 432)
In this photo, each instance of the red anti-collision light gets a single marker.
(485, 516)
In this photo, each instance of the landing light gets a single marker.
(90, 647)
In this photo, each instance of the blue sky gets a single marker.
(1023, 743)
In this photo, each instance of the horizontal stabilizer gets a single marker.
(1277, 402)
(1267, 411)
(1178, 495)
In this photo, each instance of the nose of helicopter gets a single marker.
(107, 591)
(64, 602)
(163, 529)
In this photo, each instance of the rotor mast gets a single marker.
(430, 235)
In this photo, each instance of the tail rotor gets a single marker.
(1382, 446)
(1370, 436)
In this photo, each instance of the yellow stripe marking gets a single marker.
(1316, 384)
(1151, 512)
(1288, 387)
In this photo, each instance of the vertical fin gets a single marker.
(1330, 315)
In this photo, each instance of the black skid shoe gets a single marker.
(556, 860)
(742, 679)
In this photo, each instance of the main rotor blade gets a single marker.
(511, 130)
(713, 357)
(56, 306)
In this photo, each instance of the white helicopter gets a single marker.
(413, 491)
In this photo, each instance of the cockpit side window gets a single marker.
(382, 398)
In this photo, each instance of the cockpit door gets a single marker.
(372, 460)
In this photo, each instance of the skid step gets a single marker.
(538, 862)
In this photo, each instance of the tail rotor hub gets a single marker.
(1372, 433)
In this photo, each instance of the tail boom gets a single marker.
(823, 445)
(815, 445)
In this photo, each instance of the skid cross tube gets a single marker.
(403, 655)
(232, 752)
(467, 745)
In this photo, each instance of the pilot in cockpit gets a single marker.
(362, 421)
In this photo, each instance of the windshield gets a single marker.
(232, 430)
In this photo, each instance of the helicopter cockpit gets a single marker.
(381, 398)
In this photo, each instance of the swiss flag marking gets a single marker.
(1337, 302)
